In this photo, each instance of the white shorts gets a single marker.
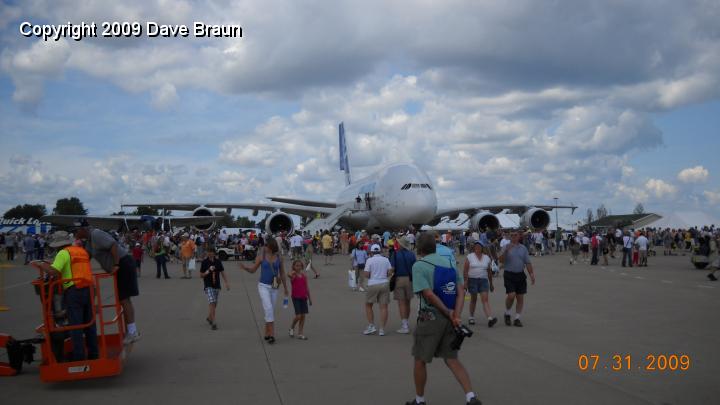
(268, 296)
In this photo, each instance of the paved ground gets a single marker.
(667, 308)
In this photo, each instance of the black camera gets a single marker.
(461, 332)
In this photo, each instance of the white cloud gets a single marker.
(713, 197)
(635, 194)
(673, 58)
(31, 67)
(660, 188)
(695, 174)
(165, 96)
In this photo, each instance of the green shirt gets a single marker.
(423, 275)
(62, 264)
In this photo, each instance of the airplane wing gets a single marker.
(116, 221)
(303, 211)
(518, 209)
(306, 203)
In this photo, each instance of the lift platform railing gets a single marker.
(48, 289)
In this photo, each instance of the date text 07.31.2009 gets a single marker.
(626, 362)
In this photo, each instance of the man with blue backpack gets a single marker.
(439, 330)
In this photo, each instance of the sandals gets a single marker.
(302, 337)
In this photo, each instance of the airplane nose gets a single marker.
(418, 210)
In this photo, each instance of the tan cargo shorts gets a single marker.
(379, 293)
(403, 289)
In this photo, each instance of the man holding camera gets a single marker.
(439, 330)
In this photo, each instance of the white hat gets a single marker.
(375, 248)
(60, 238)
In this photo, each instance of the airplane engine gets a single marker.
(278, 222)
(484, 220)
(535, 218)
(203, 212)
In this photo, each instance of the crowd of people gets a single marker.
(440, 269)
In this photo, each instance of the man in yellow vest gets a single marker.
(73, 262)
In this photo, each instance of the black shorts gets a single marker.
(300, 305)
(585, 248)
(127, 283)
(515, 283)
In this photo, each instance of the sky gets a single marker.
(592, 102)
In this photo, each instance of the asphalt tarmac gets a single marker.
(665, 309)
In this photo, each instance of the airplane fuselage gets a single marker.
(392, 198)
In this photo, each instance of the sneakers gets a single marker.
(712, 277)
(492, 322)
(471, 321)
(414, 402)
(214, 326)
(507, 320)
(131, 338)
(361, 289)
(291, 333)
(403, 331)
(371, 329)
(381, 332)
(517, 323)
(474, 401)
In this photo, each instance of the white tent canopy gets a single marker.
(685, 220)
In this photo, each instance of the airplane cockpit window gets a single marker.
(415, 185)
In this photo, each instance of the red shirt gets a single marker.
(137, 253)
(299, 286)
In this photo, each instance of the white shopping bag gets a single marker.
(352, 282)
(191, 264)
(495, 267)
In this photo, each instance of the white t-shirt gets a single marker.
(538, 237)
(296, 241)
(504, 242)
(627, 242)
(410, 237)
(478, 267)
(585, 240)
(642, 242)
(378, 267)
(618, 233)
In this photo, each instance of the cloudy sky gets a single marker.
(610, 102)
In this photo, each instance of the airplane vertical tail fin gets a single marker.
(344, 165)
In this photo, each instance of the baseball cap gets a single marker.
(375, 248)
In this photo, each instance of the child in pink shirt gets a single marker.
(300, 297)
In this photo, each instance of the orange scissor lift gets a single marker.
(55, 340)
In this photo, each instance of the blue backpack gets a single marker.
(444, 284)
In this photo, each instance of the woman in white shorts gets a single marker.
(272, 275)
(475, 272)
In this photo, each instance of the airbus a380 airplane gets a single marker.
(394, 197)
